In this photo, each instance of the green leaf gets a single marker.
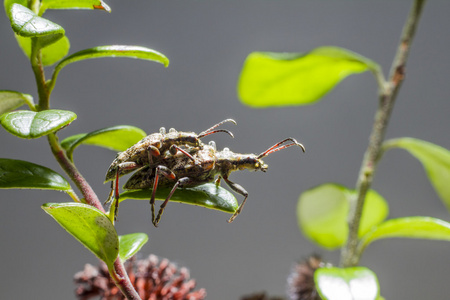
(21, 174)
(207, 195)
(322, 214)
(110, 51)
(26, 23)
(117, 138)
(282, 79)
(10, 100)
(409, 227)
(50, 54)
(7, 4)
(89, 226)
(130, 244)
(73, 4)
(356, 283)
(435, 160)
(30, 124)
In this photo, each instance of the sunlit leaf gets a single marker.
(117, 138)
(357, 283)
(73, 4)
(21, 174)
(26, 23)
(30, 125)
(89, 226)
(10, 100)
(282, 79)
(136, 52)
(7, 4)
(206, 195)
(130, 244)
(50, 54)
(322, 214)
(435, 160)
(409, 227)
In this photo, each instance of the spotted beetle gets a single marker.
(199, 166)
(153, 148)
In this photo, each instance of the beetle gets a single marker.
(180, 171)
(153, 147)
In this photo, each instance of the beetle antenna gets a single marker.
(279, 146)
(203, 134)
(209, 130)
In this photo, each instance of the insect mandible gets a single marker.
(180, 171)
(153, 148)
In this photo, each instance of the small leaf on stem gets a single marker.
(283, 79)
(26, 23)
(322, 214)
(89, 226)
(130, 244)
(206, 195)
(117, 138)
(408, 227)
(136, 52)
(30, 124)
(73, 4)
(50, 54)
(21, 174)
(435, 159)
(10, 100)
(347, 283)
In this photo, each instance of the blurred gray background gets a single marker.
(207, 42)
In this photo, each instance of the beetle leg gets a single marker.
(115, 183)
(240, 190)
(152, 152)
(180, 183)
(218, 180)
(166, 172)
(174, 149)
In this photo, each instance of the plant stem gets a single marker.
(87, 191)
(120, 277)
(38, 69)
(349, 255)
(117, 271)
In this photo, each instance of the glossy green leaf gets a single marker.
(206, 195)
(136, 52)
(117, 138)
(73, 4)
(30, 124)
(10, 100)
(21, 174)
(130, 244)
(435, 160)
(89, 226)
(26, 23)
(356, 283)
(50, 54)
(282, 79)
(8, 3)
(322, 214)
(409, 227)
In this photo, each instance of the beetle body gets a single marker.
(199, 167)
(155, 146)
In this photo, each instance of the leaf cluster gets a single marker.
(45, 43)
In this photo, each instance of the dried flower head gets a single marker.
(153, 279)
(300, 284)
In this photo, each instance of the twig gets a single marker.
(387, 98)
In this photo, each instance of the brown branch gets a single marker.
(349, 256)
